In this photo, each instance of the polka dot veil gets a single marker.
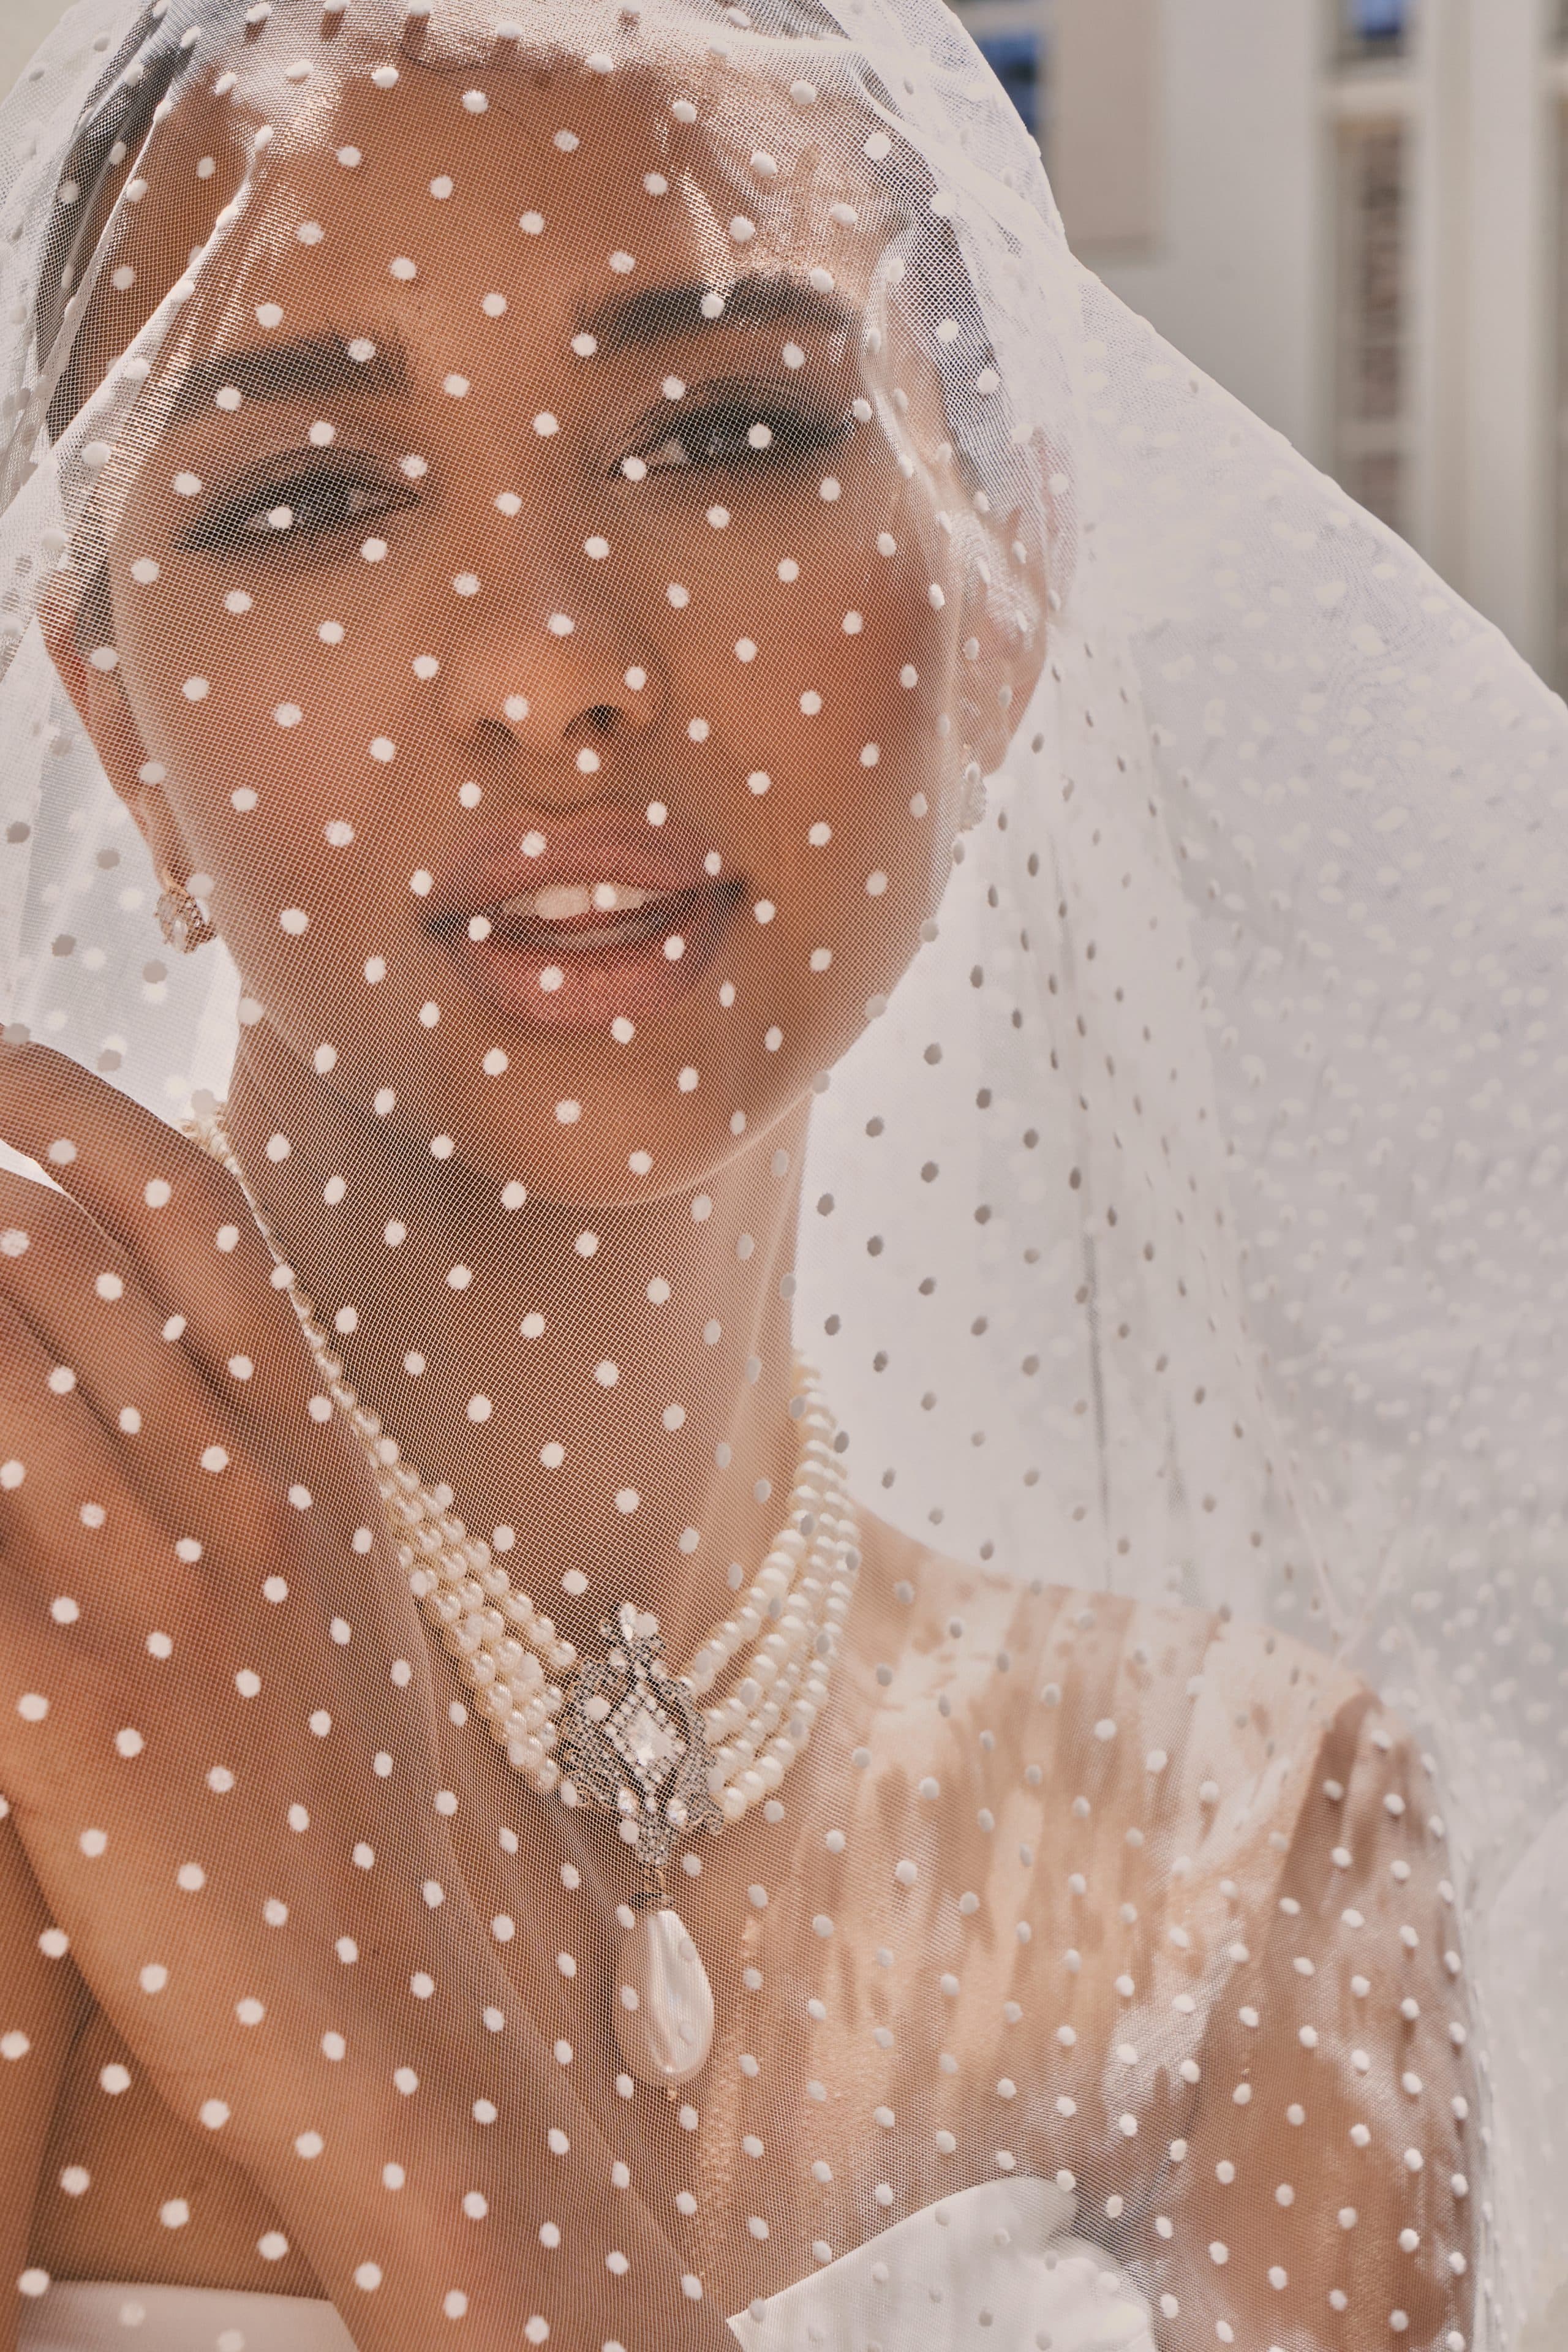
(780, 1515)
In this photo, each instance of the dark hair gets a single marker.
(115, 121)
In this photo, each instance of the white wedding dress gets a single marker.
(999, 2256)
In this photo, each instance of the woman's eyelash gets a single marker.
(310, 501)
(739, 432)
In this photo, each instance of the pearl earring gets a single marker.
(180, 916)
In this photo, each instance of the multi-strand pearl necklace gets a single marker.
(624, 1732)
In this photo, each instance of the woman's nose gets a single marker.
(541, 683)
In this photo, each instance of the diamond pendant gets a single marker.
(632, 1740)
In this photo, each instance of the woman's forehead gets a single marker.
(569, 197)
(571, 207)
(606, 162)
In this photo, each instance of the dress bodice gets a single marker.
(999, 2256)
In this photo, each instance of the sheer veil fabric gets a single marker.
(884, 988)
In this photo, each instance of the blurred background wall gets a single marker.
(1350, 212)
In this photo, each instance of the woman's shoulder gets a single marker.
(1238, 1739)
(1079, 1645)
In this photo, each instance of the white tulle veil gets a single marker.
(1238, 1046)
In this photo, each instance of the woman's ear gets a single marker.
(104, 709)
(1006, 627)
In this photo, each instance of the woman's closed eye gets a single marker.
(310, 500)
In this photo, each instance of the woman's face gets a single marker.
(566, 690)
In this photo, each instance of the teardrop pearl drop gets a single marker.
(664, 2002)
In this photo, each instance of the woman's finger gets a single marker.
(110, 1349)
(134, 1364)
(78, 1292)
(81, 1546)
(182, 1221)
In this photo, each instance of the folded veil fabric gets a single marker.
(1041, 909)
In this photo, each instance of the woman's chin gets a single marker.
(615, 1151)
(659, 1161)
(573, 1117)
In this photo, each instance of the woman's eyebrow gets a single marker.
(770, 299)
(309, 365)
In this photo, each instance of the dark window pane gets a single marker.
(1372, 27)
(1015, 59)
(1371, 391)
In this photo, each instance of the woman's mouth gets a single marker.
(582, 921)
(581, 917)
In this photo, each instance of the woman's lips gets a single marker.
(582, 918)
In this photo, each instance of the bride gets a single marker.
(680, 1609)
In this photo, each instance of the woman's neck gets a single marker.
(626, 1352)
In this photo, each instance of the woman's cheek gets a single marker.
(865, 801)
(300, 878)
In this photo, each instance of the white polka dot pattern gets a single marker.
(783, 1473)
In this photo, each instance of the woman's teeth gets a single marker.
(563, 902)
(568, 902)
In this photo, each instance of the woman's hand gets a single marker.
(218, 1731)
(200, 1615)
